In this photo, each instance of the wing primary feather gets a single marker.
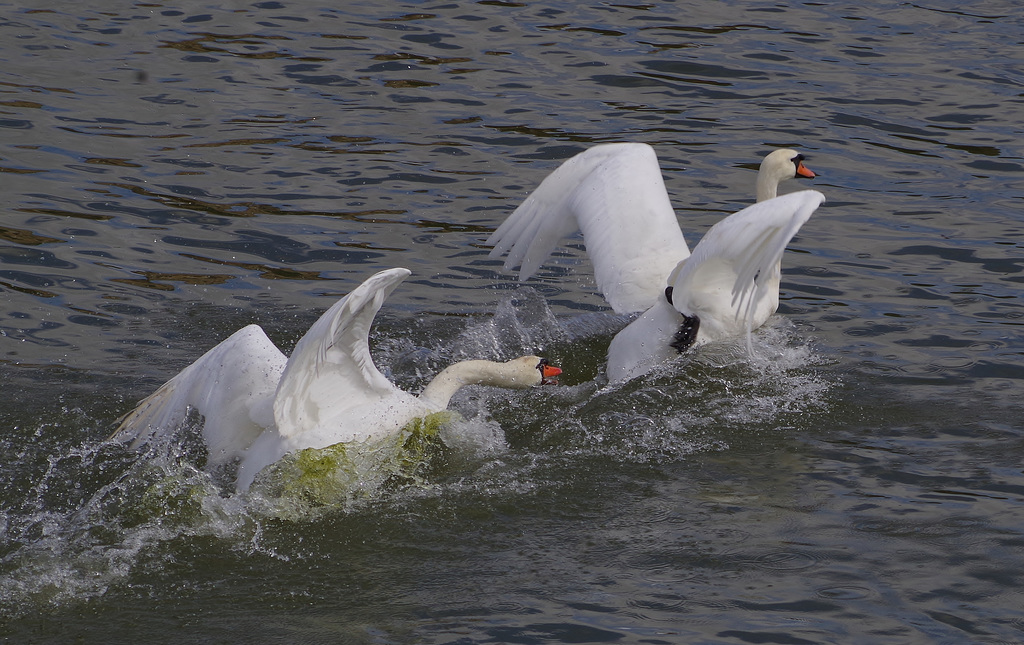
(615, 195)
(334, 356)
(231, 385)
(743, 250)
(788, 213)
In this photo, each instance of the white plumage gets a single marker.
(259, 405)
(614, 194)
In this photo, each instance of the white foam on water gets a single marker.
(93, 515)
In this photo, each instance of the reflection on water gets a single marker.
(173, 172)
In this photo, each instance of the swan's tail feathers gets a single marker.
(333, 358)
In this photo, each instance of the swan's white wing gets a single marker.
(736, 264)
(232, 386)
(615, 195)
(331, 369)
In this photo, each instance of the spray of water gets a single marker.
(96, 514)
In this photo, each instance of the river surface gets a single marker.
(174, 171)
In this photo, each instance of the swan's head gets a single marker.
(785, 164)
(776, 168)
(527, 371)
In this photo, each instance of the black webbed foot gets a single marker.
(686, 334)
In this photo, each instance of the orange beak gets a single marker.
(804, 171)
(548, 374)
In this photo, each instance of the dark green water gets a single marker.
(172, 172)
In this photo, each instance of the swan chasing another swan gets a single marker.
(259, 405)
(615, 195)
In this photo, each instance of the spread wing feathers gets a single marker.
(232, 386)
(739, 257)
(615, 195)
(331, 369)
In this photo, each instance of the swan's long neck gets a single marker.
(444, 386)
(767, 185)
(776, 168)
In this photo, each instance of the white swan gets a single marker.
(615, 195)
(259, 406)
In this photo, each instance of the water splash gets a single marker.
(343, 475)
(702, 401)
(90, 519)
(522, 323)
(698, 402)
(97, 514)
(100, 513)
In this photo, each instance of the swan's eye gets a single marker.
(801, 169)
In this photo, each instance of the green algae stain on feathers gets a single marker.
(348, 472)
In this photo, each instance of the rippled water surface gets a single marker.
(174, 171)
